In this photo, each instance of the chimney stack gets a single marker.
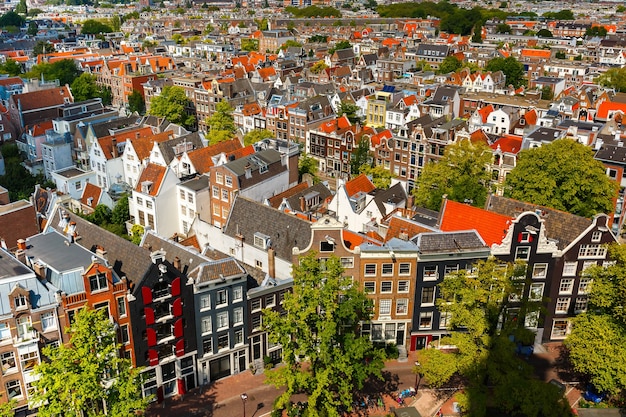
(302, 204)
(21, 244)
(177, 263)
(114, 147)
(409, 202)
(271, 261)
(137, 135)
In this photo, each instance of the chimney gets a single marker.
(177, 263)
(40, 270)
(137, 135)
(20, 254)
(271, 262)
(21, 244)
(302, 204)
(114, 147)
(409, 202)
(101, 252)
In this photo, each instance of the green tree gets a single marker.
(596, 31)
(450, 64)
(381, 177)
(64, 70)
(120, 214)
(136, 102)
(116, 23)
(94, 27)
(503, 28)
(257, 135)
(360, 156)
(101, 215)
(560, 15)
(307, 165)
(21, 8)
(7, 409)
(344, 44)
(221, 123)
(350, 110)
(84, 87)
(546, 93)
(478, 305)
(321, 324)
(249, 45)
(544, 33)
(597, 343)
(560, 55)
(318, 39)
(11, 19)
(11, 67)
(42, 47)
(32, 29)
(563, 175)
(291, 43)
(34, 12)
(71, 382)
(461, 174)
(318, 67)
(172, 104)
(512, 69)
(614, 78)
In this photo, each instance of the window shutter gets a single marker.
(149, 315)
(177, 307)
(176, 287)
(151, 333)
(519, 237)
(146, 292)
(180, 347)
(178, 328)
(153, 356)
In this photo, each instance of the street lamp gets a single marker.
(244, 398)
(418, 373)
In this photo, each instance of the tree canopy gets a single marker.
(257, 135)
(512, 69)
(313, 11)
(64, 70)
(483, 324)
(350, 110)
(136, 102)
(321, 323)
(11, 68)
(42, 47)
(562, 175)
(172, 104)
(381, 177)
(450, 64)
(71, 382)
(461, 174)
(84, 87)
(221, 123)
(95, 27)
(614, 78)
(11, 19)
(597, 343)
(343, 44)
(307, 165)
(360, 156)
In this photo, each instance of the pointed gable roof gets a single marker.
(485, 112)
(492, 227)
(92, 192)
(202, 159)
(359, 184)
(399, 225)
(276, 200)
(143, 145)
(508, 143)
(153, 174)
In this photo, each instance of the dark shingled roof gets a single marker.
(321, 189)
(189, 258)
(126, 258)
(394, 195)
(449, 242)
(611, 153)
(167, 147)
(286, 231)
(560, 226)
(211, 271)
(107, 128)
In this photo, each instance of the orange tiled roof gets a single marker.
(91, 191)
(352, 239)
(143, 145)
(531, 117)
(508, 143)
(479, 135)
(202, 158)
(399, 224)
(360, 183)
(278, 198)
(379, 137)
(50, 97)
(484, 112)
(40, 128)
(492, 227)
(106, 141)
(153, 173)
(610, 106)
(536, 53)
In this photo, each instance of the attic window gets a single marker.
(146, 186)
(262, 241)
(20, 302)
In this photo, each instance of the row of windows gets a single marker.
(385, 305)
(223, 342)
(221, 319)
(388, 268)
(189, 196)
(221, 298)
(219, 179)
(386, 287)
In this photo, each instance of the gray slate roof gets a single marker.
(321, 189)
(167, 147)
(286, 231)
(449, 242)
(127, 259)
(560, 226)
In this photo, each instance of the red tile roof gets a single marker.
(40, 128)
(278, 198)
(202, 159)
(398, 225)
(607, 107)
(91, 191)
(536, 53)
(484, 112)
(360, 183)
(153, 173)
(144, 144)
(353, 239)
(492, 227)
(508, 143)
(50, 97)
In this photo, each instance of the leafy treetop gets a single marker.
(563, 175)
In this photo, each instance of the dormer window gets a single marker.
(262, 241)
(146, 186)
(20, 302)
(98, 282)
